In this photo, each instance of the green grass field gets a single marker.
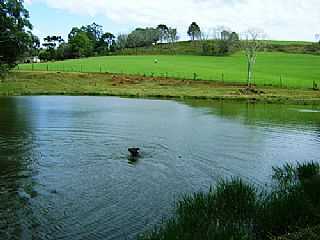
(276, 69)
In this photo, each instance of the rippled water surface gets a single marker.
(65, 173)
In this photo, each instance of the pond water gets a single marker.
(65, 172)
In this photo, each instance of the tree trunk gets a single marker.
(249, 74)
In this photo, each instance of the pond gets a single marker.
(65, 171)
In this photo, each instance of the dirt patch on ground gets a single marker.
(119, 79)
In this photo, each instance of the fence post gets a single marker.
(47, 67)
(194, 76)
(100, 69)
(315, 85)
(222, 77)
(32, 67)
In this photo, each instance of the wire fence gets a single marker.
(275, 80)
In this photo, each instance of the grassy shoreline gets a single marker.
(102, 84)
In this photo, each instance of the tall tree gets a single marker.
(80, 44)
(15, 33)
(122, 41)
(163, 32)
(172, 35)
(94, 31)
(142, 37)
(194, 31)
(50, 43)
(106, 43)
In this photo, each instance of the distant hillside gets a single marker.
(196, 48)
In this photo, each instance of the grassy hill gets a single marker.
(272, 68)
(195, 48)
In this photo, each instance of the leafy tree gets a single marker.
(106, 43)
(234, 37)
(34, 49)
(80, 44)
(63, 51)
(44, 55)
(122, 41)
(74, 31)
(50, 43)
(194, 31)
(94, 31)
(142, 37)
(15, 33)
(172, 35)
(163, 32)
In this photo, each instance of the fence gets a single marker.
(280, 81)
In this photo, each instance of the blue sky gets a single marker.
(279, 19)
(52, 21)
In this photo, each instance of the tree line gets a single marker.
(91, 40)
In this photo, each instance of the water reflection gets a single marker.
(16, 170)
(255, 114)
(64, 171)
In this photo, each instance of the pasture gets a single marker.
(271, 69)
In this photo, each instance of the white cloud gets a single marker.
(281, 19)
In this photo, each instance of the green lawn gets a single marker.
(296, 70)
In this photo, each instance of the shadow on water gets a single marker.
(16, 170)
(133, 160)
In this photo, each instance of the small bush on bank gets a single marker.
(237, 210)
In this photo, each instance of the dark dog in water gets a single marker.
(135, 152)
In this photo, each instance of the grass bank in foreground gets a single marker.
(272, 69)
(289, 209)
(53, 83)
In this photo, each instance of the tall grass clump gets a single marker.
(293, 202)
(235, 209)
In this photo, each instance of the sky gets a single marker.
(279, 19)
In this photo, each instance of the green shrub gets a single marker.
(226, 212)
(235, 210)
(283, 212)
(294, 200)
(307, 171)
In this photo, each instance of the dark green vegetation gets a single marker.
(272, 69)
(305, 234)
(53, 83)
(85, 41)
(211, 48)
(16, 38)
(91, 40)
(236, 210)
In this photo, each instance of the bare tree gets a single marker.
(252, 43)
(173, 35)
